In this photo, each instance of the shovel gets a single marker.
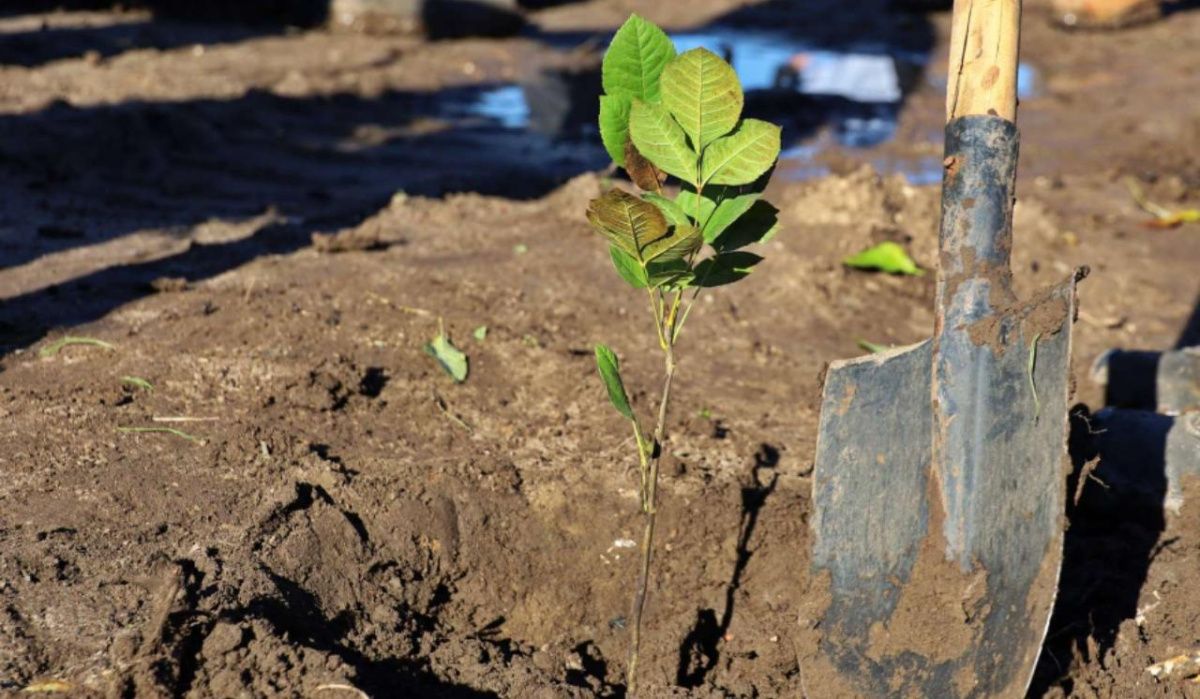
(940, 476)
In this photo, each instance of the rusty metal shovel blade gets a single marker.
(939, 484)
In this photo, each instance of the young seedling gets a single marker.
(666, 115)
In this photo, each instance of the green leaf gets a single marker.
(727, 212)
(480, 333)
(886, 257)
(628, 222)
(758, 225)
(628, 267)
(743, 156)
(659, 138)
(672, 210)
(703, 94)
(725, 268)
(448, 356)
(871, 347)
(683, 242)
(669, 273)
(610, 372)
(614, 125)
(699, 208)
(635, 59)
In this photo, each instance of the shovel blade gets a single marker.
(937, 564)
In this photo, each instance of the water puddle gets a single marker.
(846, 98)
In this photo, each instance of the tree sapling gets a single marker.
(661, 115)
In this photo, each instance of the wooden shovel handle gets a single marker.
(984, 37)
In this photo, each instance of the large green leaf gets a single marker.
(628, 267)
(681, 244)
(703, 94)
(659, 138)
(635, 59)
(614, 125)
(727, 212)
(741, 157)
(725, 268)
(672, 210)
(628, 222)
(610, 372)
(757, 225)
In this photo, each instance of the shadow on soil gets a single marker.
(262, 13)
(79, 177)
(701, 648)
(1110, 543)
(47, 44)
(296, 614)
(1190, 335)
(74, 177)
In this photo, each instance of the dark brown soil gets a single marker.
(349, 518)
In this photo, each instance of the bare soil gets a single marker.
(348, 517)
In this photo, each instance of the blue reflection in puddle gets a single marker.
(506, 105)
(847, 98)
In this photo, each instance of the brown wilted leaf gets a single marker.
(643, 173)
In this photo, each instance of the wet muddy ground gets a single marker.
(348, 516)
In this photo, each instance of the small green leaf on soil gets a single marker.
(448, 356)
(137, 382)
(54, 347)
(871, 347)
(520, 249)
(610, 372)
(886, 257)
(480, 333)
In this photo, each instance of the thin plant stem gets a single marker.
(644, 466)
(650, 505)
(656, 311)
